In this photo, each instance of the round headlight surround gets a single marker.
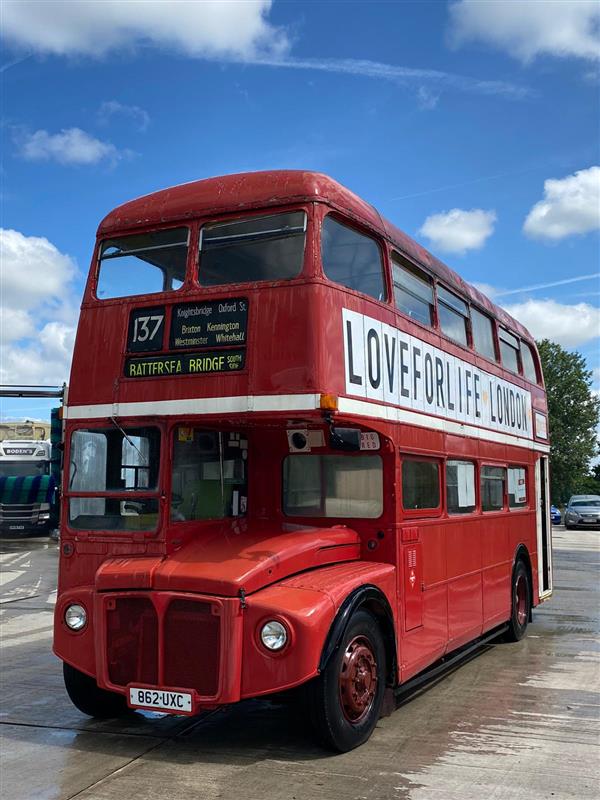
(75, 617)
(274, 635)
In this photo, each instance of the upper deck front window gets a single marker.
(144, 263)
(253, 249)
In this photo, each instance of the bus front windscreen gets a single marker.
(107, 461)
(251, 249)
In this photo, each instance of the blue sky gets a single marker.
(473, 126)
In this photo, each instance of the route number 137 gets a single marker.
(146, 328)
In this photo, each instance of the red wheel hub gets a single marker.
(358, 679)
(521, 599)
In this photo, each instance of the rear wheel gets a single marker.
(86, 695)
(345, 700)
(521, 603)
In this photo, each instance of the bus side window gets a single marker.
(482, 329)
(517, 487)
(460, 487)
(529, 369)
(352, 259)
(413, 291)
(420, 485)
(492, 488)
(453, 315)
(509, 350)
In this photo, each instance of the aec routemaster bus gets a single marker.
(300, 451)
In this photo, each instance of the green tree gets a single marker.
(574, 413)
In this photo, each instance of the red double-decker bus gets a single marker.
(299, 451)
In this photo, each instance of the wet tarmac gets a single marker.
(517, 721)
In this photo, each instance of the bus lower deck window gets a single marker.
(420, 485)
(517, 487)
(492, 488)
(333, 486)
(460, 487)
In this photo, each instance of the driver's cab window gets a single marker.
(209, 478)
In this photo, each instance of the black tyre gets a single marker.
(520, 603)
(345, 700)
(570, 527)
(86, 695)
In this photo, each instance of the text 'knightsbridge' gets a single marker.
(383, 363)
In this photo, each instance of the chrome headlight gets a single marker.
(75, 617)
(274, 635)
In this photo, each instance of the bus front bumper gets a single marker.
(184, 653)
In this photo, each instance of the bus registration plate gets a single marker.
(161, 699)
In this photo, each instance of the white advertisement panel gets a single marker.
(383, 363)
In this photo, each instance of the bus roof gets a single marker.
(250, 190)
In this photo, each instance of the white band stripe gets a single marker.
(199, 405)
(347, 405)
(292, 403)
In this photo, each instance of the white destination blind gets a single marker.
(385, 364)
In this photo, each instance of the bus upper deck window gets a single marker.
(144, 263)
(529, 369)
(509, 350)
(253, 249)
(483, 334)
(413, 291)
(352, 259)
(453, 315)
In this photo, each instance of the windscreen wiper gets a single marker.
(135, 447)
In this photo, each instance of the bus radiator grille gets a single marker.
(192, 647)
(132, 641)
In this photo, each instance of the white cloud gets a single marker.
(209, 28)
(457, 231)
(70, 146)
(569, 325)
(33, 270)
(397, 74)
(15, 324)
(37, 309)
(570, 205)
(529, 28)
(111, 108)
(229, 32)
(46, 362)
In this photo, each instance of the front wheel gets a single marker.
(88, 697)
(345, 700)
(521, 603)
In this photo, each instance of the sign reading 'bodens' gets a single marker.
(385, 364)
